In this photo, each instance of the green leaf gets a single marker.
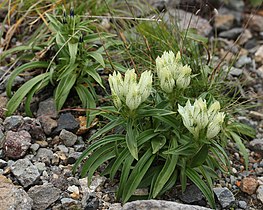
(96, 145)
(17, 98)
(131, 139)
(157, 143)
(87, 100)
(241, 147)
(98, 57)
(107, 128)
(165, 174)
(18, 70)
(63, 89)
(127, 166)
(184, 150)
(73, 50)
(208, 193)
(200, 156)
(31, 93)
(91, 70)
(137, 174)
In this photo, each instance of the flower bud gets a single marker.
(133, 98)
(167, 82)
(129, 79)
(145, 85)
(116, 84)
(116, 100)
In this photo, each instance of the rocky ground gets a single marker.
(37, 154)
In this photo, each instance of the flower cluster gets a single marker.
(128, 91)
(198, 117)
(171, 72)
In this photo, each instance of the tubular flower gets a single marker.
(128, 91)
(171, 71)
(197, 117)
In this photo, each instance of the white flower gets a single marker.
(129, 79)
(196, 117)
(167, 82)
(214, 126)
(145, 85)
(116, 100)
(116, 84)
(184, 77)
(133, 98)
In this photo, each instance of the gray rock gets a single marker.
(69, 202)
(237, 5)
(236, 72)
(159, 204)
(242, 61)
(40, 166)
(13, 122)
(48, 124)
(34, 127)
(44, 155)
(34, 147)
(12, 197)
(63, 148)
(192, 194)
(260, 193)
(224, 196)
(68, 122)
(68, 138)
(3, 163)
(231, 34)
(242, 204)
(72, 158)
(26, 173)
(16, 144)
(256, 145)
(47, 108)
(186, 20)
(43, 195)
(2, 136)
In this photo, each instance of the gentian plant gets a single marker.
(159, 136)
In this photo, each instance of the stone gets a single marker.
(260, 193)
(236, 72)
(16, 144)
(88, 190)
(47, 108)
(256, 145)
(43, 195)
(13, 122)
(68, 122)
(40, 166)
(72, 158)
(34, 127)
(242, 61)
(242, 204)
(255, 22)
(259, 55)
(12, 197)
(231, 34)
(159, 204)
(224, 196)
(48, 124)
(224, 21)
(69, 203)
(68, 138)
(245, 37)
(191, 195)
(63, 148)
(26, 173)
(249, 185)
(3, 102)
(44, 155)
(186, 20)
(237, 5)
(2, 137)
(3, 163)
(34, 147)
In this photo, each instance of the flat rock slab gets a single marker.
(12, 197)
(159, 204)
